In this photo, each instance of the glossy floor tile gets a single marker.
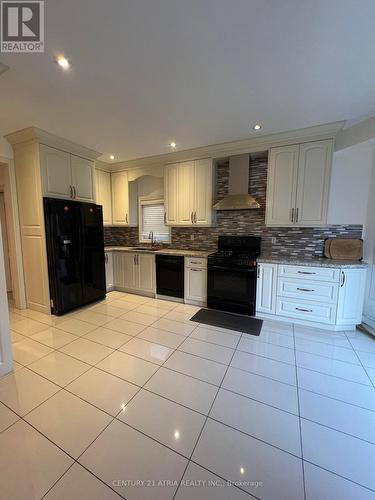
(25, 390)
(87, 351)
(27, 351)
(194, 366)
(30, 464)
(7, 417)
(155, 353)
(122, 456)
(130, 368)
(339, 453)
(205, 350)
(259, 420)
(59, 368)
(229, 453)
(190, 392)
(108, 337)
(199, 483)
(169, 423)
(105, 391)
(156, 407)
(283, 372)
(162, 337)
(321, 484)
(80, 484)
(72, 424)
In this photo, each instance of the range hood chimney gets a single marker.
(238, 197)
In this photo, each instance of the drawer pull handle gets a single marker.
(304, 272)
(304, 310)
(196, 270)
(306, 289)
(195, 262)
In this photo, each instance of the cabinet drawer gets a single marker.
(195, 262)
(306, 310)
(320, 291)
(310, 273)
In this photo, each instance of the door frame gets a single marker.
(6, 359)
(14, 235)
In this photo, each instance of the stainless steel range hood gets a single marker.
(238, 197)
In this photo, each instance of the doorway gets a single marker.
(4, 230)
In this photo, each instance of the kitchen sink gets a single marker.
(149, 249)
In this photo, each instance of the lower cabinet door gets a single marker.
(146, 272)
(196, 285)
(308, 311)
(118, 270)
(109, 271)
(130, 270)
(266, 288)
(351, 296)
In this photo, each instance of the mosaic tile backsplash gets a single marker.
(283, 241)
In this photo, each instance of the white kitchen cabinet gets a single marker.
(351, 297)
(124, 200)
(314, 173)
(266, 288)
(66, 176)
(298, 184)
(188, 191)
(104, 195)
(323, 297)
(170, 194)
(282, 185)
(120, 199)
(195, 281)
(204, 181)
(145, 264)
(109, 271)
(134, 272)
(83, 179)
(56, 173)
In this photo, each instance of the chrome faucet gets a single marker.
(151, 237)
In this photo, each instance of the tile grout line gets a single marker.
(205, 422)
(299, 420)
(363, 366)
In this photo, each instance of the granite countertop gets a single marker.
(312, 262)
(164, 251)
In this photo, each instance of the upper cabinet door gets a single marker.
(103, 195)
(314, 173)
(282, 185)
(203, 192)
(56, 172)
(171, 194)
(186, 193)
(83, 173)
(120, 199)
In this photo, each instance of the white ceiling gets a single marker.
(199, 72)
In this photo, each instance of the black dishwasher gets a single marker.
(170, 276)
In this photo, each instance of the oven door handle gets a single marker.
(231, 269)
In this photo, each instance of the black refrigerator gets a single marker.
(75, 250)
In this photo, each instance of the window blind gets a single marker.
(153, 220)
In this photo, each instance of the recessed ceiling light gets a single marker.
(173, 145)
(111, 157)
(257, 127)
(63, 62)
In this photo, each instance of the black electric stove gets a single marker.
(231, 284)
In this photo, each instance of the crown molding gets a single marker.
(35, 134)
(252, 145)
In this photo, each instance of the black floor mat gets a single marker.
(235, 322)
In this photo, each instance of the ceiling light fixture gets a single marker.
(63, 62)
(111, 157)
(173, 145)
(257, 127)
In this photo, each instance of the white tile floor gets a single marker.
(128, 398)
